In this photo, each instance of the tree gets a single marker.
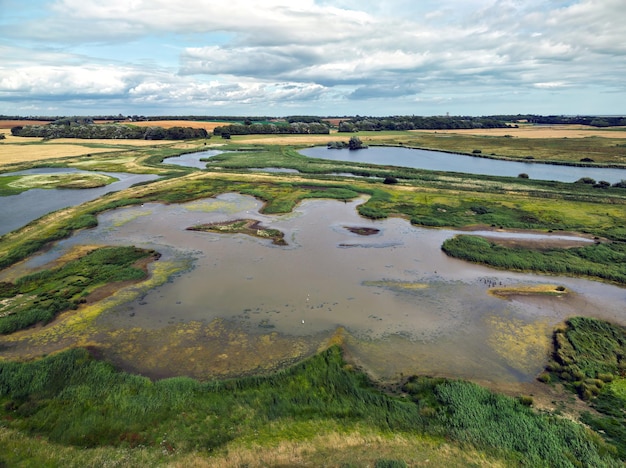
(355, 143)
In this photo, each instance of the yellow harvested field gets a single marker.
(548, 131)
(11, 154)
(14, 123)
(121, 143)
(289, 139)
(208, 126)
(21, 149)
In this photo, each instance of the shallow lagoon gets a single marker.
(18, 210)
(404, 305)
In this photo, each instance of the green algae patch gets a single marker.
(203, 350)
(251, 227)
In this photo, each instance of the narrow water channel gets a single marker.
(18, 210)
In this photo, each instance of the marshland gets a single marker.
(160, 323)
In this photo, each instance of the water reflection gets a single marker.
(18, 210)
(192, 159)
(405, 305)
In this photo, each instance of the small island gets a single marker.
(251, 227)
(506, 292)
(362, 231)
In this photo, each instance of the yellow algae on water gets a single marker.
(129, 215)
(528, 290)
(523, 345)
(396, 285)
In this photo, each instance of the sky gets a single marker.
(313, 57)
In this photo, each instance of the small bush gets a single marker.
(383, 463)
(526, 400)
(544, 377)
(585, 180)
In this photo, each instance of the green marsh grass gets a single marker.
(605, 261)
(39, 297)
(590, 359)
(72, 399)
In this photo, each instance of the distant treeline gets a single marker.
(108, 131)
(408, 122)
(593, 120)
(413, 122)
(273, 128)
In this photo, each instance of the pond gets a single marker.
(441, 161)
(18, 210)
(244, 304)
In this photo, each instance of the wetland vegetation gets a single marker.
(250, 227)
(53, 406)
(11, 185)
(73, 399)
(39, 297)
(603, 261)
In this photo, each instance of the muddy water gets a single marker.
(405, 306)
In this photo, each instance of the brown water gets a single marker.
(247, 305)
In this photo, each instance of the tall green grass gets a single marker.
(73, 399)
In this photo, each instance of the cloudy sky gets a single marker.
(320, 57)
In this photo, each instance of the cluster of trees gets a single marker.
(273, 128)
(412, 122)
(70, 129)
(355, 143)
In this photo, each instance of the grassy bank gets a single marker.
(604, 261)
(72, 399)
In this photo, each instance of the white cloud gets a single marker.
(341, 52)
